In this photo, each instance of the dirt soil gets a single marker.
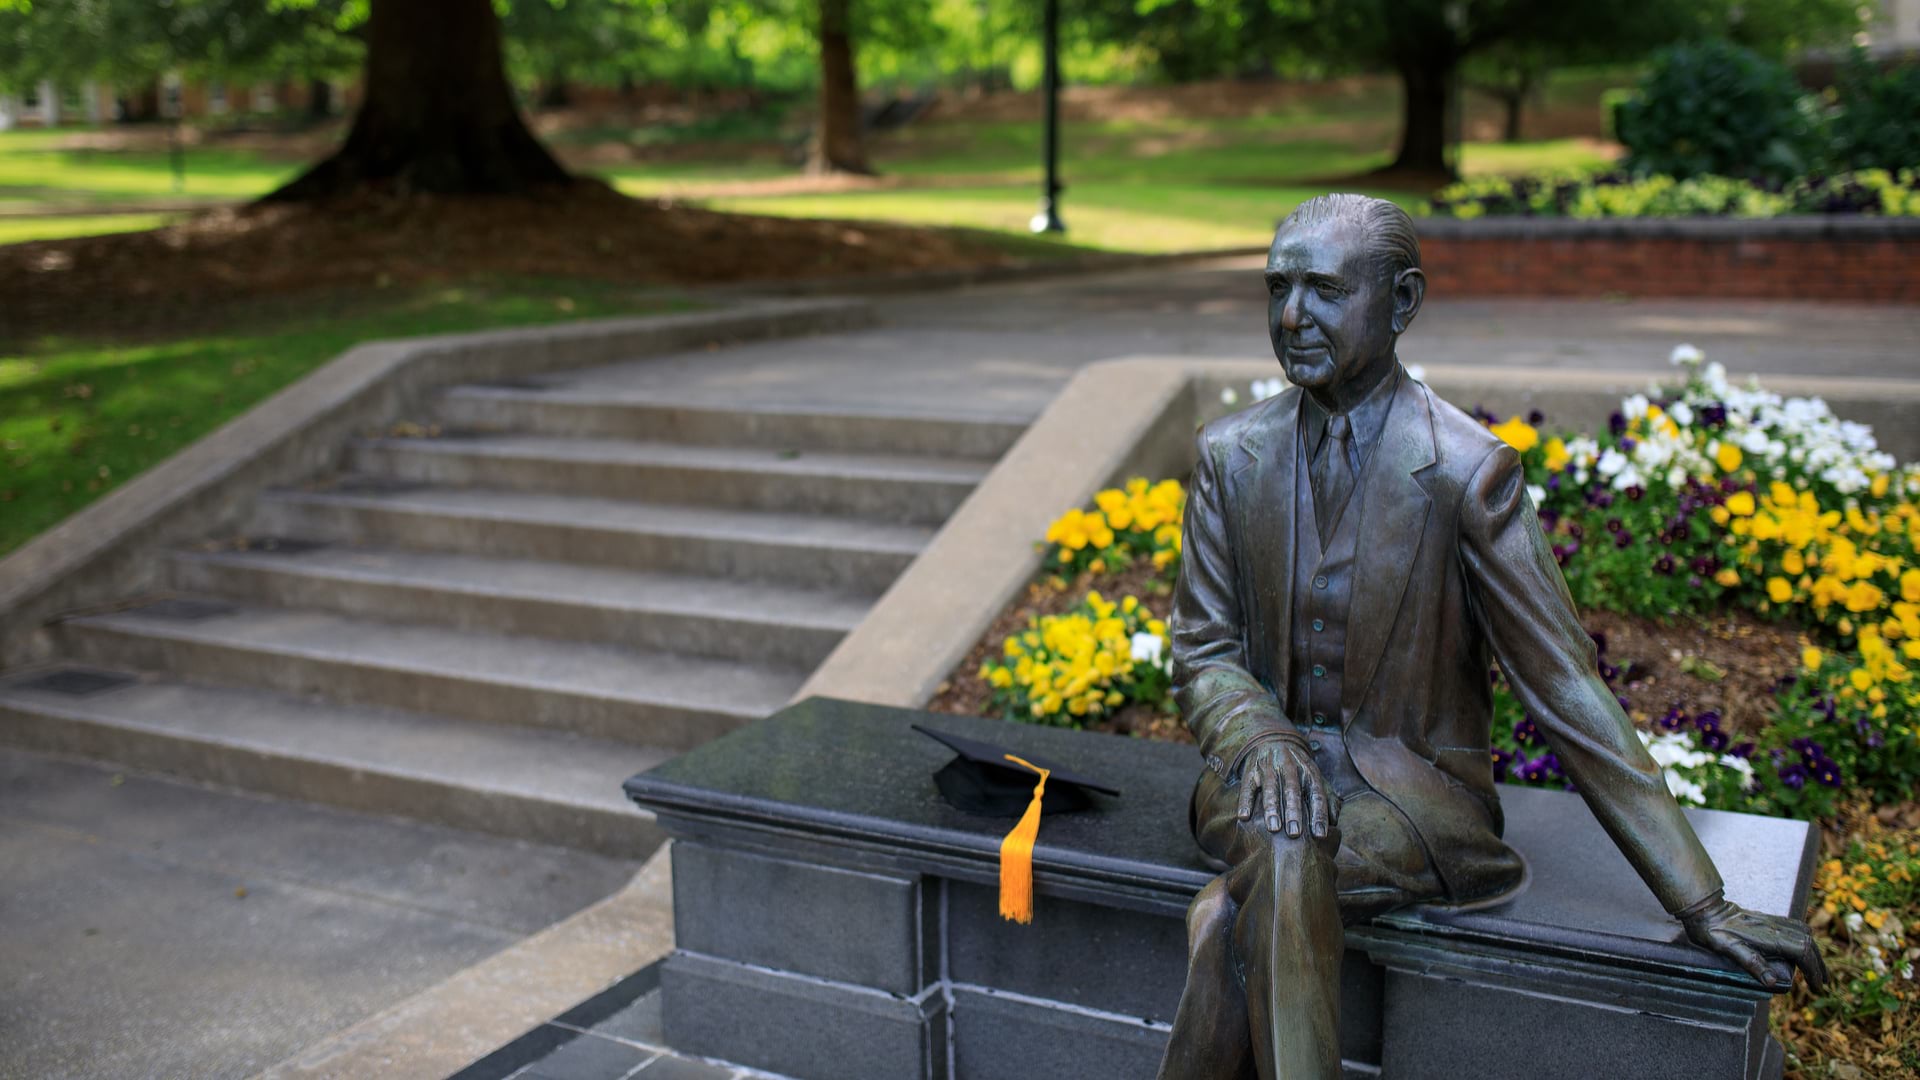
(1661, 665)
(189, 275)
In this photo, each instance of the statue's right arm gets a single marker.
(1225, 706)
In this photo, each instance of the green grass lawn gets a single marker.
(1227, 197)
(33, 171)
(20, 230)
(79, 417)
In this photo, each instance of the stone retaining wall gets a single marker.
(1858, 259)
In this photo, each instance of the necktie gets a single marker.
(1333, 473)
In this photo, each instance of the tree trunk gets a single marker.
(1426, 83)
(554, 91)
(319, 99)
(839, 144)
(1513, 100)
(141, 105)
(438, 116)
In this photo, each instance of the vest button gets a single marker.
(1319, 624)
(1320, 581)
(1319, 718)
(1319, 670)
(1313, 745)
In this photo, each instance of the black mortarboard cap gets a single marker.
(982, 781)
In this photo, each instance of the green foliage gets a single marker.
(1716, 108)
(132, 41)
(1619, 195)
(1878, 121)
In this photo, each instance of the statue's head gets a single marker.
(1343, 282)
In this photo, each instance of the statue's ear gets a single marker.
(1409, 289)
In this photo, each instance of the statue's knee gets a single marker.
(1211, 911)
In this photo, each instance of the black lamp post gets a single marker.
(1048, 219)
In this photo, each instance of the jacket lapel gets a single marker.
(1393, 515)
(1264, 479)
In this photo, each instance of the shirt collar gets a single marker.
(1367, 416)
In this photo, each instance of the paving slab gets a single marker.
(1007, 349)
(150, 928)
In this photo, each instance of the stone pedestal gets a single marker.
(836, 919)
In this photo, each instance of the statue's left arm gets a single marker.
(1521, 603)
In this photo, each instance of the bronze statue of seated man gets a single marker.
(1357, 555)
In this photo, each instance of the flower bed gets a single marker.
(1748, 565)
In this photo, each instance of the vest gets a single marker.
(1322, 593)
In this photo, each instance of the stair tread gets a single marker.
(827, 530)
(584, 391)
(526, 762)
(571, 583)
(702, 683)
(897, 467)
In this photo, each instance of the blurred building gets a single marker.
(170, 97)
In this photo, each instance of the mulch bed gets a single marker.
(192, 274)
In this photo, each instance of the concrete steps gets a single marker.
(570, 410)
(523, 782)
(784, 625)
(804, 549)
(665, 700)
(492, 625)
(901, 488)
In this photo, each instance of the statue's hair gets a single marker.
(1390, 236)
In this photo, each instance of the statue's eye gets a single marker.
(1327, 290)
(1277, 288)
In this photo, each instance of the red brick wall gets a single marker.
(1883, 269)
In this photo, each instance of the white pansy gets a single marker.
(1266, 388)
(1744, 768)
(1682, 414)
(1676, 477)
(1147, 648)
(1416, 372)
(1611, 462)
(1685, 355)
(1854, 922)
(1538, 494)
(1229, 396)
(1628, 477)
(1686, 790)
(1635, 407)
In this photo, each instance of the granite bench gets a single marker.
(834, 918)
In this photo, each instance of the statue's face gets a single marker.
(1330, 310)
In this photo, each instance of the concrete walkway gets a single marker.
(152, 928)
(1007, 349)
(347, 915)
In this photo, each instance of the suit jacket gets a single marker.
(1453, 572)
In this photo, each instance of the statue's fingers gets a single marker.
(1249, 783)
(1811, 964)
(1318, 817)
(1749, 958)
(1270, 792)
(1296, 810)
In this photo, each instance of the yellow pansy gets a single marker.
(1557, 455)
(1779, 590)
(1811, 658)
(1740, 503)
(1518, 434)
(1728, 457)
(1728, 577)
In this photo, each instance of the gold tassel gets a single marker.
(1016, 855)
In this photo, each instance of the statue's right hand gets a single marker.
(1280, 780)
